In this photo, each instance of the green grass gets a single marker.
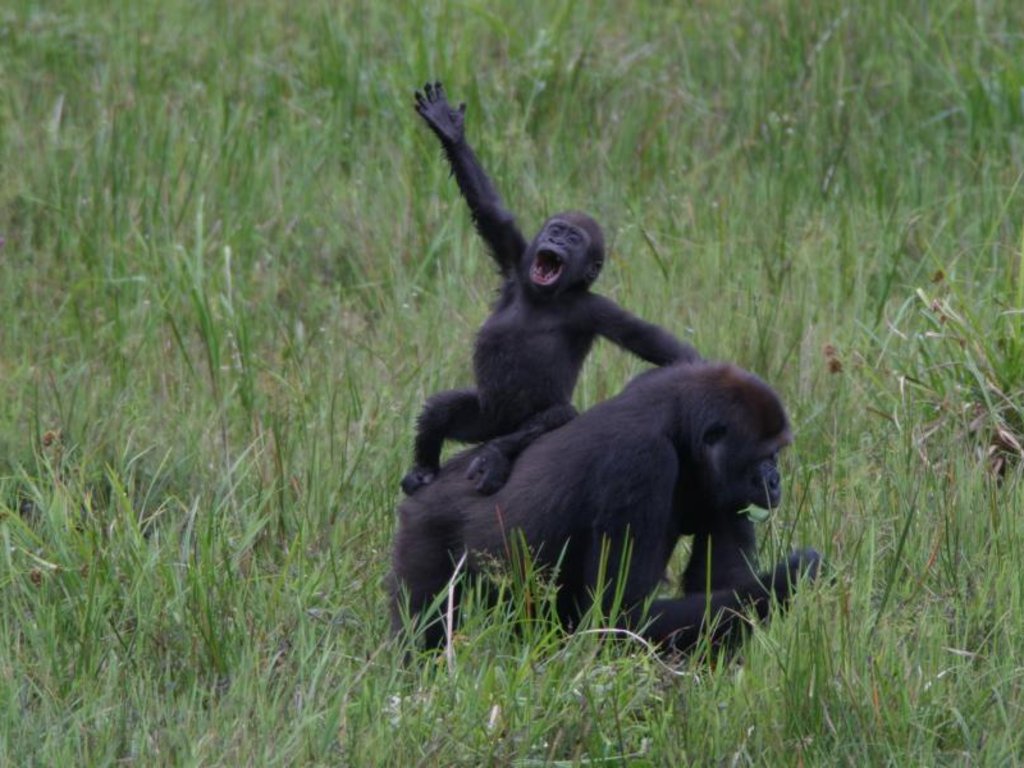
(234, 265)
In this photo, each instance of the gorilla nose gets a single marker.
(769, 481)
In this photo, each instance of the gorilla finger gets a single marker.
(462, 108)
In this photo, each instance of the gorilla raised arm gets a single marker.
(530, 350)
(681, 451)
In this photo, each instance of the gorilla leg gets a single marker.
(491, 467)
(452, 414)
(427, 548)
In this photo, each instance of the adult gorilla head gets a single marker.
(681, 451)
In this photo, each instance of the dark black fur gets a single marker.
(681, 451)
(530, 350)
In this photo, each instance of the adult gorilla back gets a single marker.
(681, 451)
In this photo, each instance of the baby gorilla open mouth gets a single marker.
(546, 269)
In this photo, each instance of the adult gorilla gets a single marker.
(683, 450)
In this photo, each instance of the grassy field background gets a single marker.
(233, 266)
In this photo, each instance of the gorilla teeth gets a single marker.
(547, 268)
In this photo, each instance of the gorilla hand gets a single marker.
(446, 123)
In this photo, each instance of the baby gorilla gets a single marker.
(530, 350)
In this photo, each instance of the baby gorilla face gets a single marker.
(562, 255)
(558, 244)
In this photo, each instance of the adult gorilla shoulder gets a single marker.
(681, 451)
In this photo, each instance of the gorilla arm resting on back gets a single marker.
(681, 451)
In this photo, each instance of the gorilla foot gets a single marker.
(416, 478)
(490, 469)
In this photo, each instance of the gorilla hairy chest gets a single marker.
(528, 355)
(535, 338)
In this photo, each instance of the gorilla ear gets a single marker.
(714, 433)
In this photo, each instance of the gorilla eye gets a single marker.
(574, 237)
(714, 434)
